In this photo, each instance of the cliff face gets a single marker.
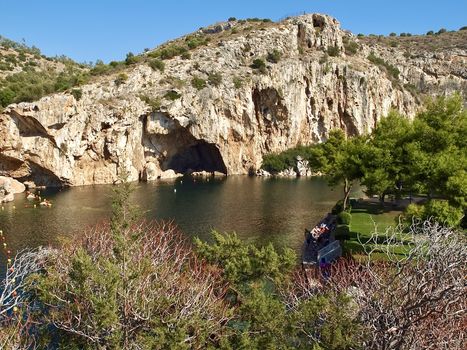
(154, 121)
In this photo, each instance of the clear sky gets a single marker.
(87, 30)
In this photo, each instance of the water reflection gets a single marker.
(262, 210)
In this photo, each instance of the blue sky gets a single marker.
(88, 30)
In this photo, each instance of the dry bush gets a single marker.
(141, 288)
(415, 300)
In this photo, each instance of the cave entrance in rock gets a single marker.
(198, 157)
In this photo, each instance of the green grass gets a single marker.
(366, 218)
(366, 215)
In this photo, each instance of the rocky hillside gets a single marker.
(221, 98)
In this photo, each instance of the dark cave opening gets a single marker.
(198, 157)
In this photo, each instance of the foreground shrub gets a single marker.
(130, 287)
(242, 262)
(414, 300)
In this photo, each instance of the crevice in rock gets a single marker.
(269, 105)
(31, 127)
(346, 121)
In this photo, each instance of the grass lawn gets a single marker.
(366, 218)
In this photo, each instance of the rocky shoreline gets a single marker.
(301, 169)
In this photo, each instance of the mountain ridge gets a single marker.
(219, 99)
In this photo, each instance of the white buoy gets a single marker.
(175, 190)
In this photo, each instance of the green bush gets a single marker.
(238, 82)
(435, 209)
(274, 163)
(259, 64)
(215, 79)
(463, 28)
(392, 71)
(7, 96)
(342, 232)
(30, 85)
(333, 51)
(441, 31)
(131, 59)
(154, 103)
(392, 34)
(168, 52)
(360, 35)
(186, 55)
(198, 83)
(121, 79)
(194, 41)
(344, 218)
(232, 19)
(351, 47)
(339, 208)
(274, 56)
(77, 94)
(430, 32)
(157, 64)
(172, 95)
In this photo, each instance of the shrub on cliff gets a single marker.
(131, 59)
(333, 51)
(351, 47)
(274, 56)
(392, 71)
(259, 64)
(157, 64)
(121, 79)
(198, 83)
(30, 85)
(215, 78)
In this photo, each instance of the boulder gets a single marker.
(290, 172)
(9, 187)
(263, 173)
(169, 174)
(151, 172)
(303, 168)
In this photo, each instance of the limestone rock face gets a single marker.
(225, 127)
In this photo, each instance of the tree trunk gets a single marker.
(347, 188)
(381, 198)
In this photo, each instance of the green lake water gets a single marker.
(257, 209)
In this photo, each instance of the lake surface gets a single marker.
(259, 210)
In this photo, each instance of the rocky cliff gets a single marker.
(217, 109)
